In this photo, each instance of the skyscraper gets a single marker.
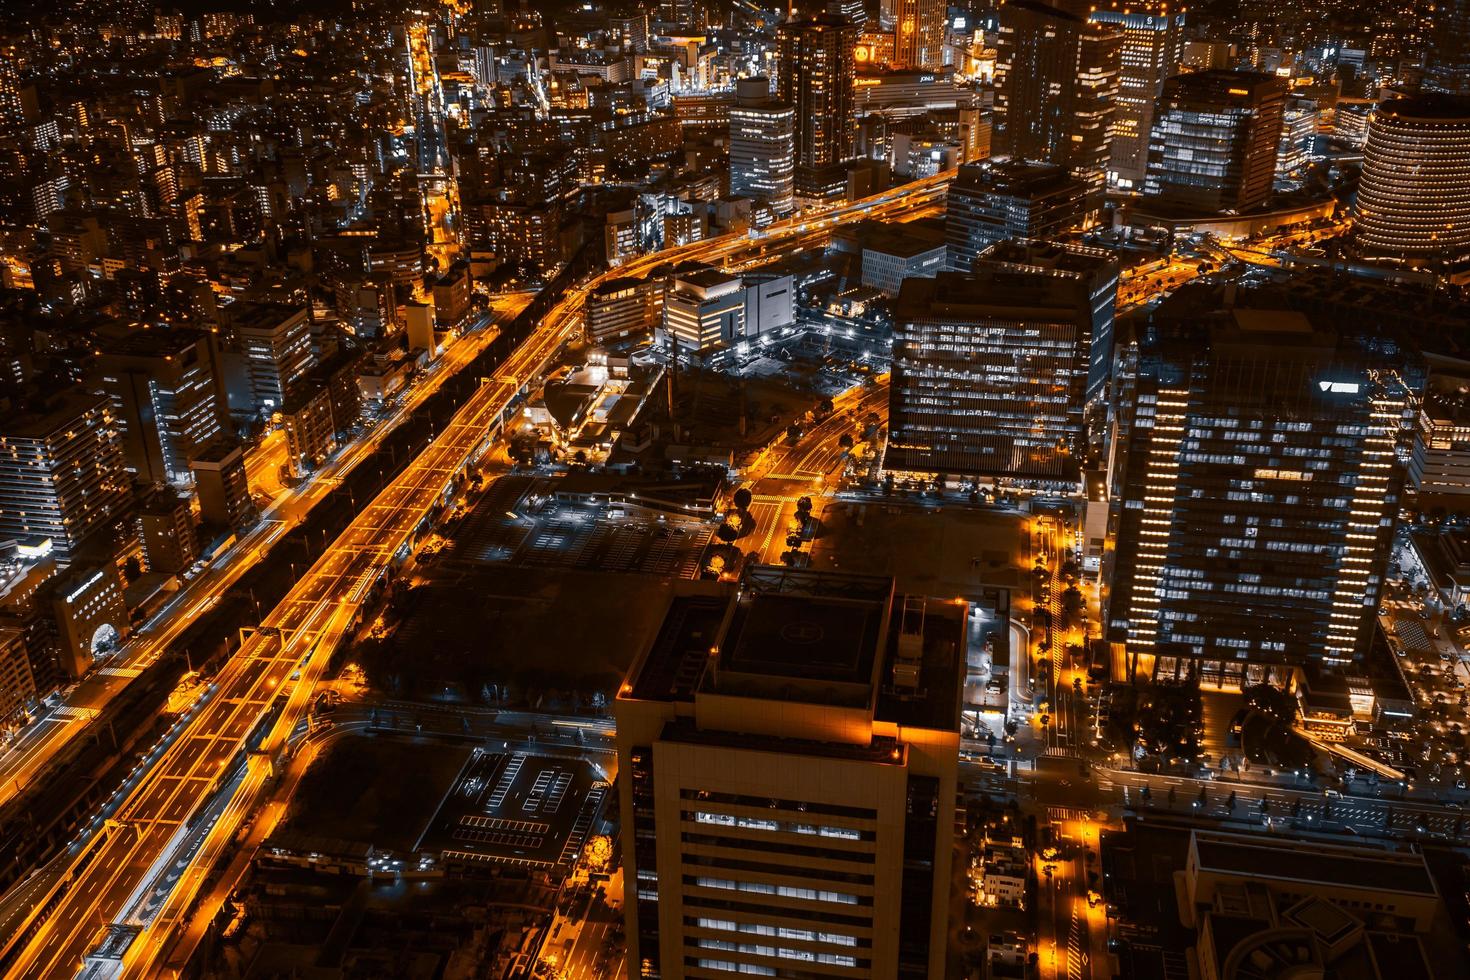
(1447, 62)
(919, 33)
(167, 398)
(990, 370)
(61, 471)
(815, 77)
(1153, 48)
(788, 756)
(762, 145)
(1013, 200)
(1057, 78)
(1413, 199)
(1214, 141)
(1259, 491)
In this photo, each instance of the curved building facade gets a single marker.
(1414, 198)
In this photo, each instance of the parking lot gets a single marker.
(511, 526)
(517, 808)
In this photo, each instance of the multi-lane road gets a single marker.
(289, 653)
(27, 759)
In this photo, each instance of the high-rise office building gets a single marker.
(1447, 61)
(1259, 491)
(168, 399)
(815, 77)
(1413, 200)
(762, 145)
(1153, 49)
(788, 757)
(988, 204)
(1094, 270)
(275, 342)
(1214, 141)
(61, 471)
(990, 369)
(919, 33)
(1056, 89)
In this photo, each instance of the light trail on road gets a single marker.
(175, 786)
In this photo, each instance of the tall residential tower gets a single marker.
(762, 145)
(1057, 77)
(815, 77)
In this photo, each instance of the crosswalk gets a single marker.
(1076, 956)
(1412, 634)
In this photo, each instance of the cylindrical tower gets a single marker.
(1414, 198)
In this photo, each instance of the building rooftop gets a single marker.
(55, 414)
(929, 695)
(1020, 178)
(1314, 863)
(995, 291)
(153, 343)
(1075, 260)
(825, 638)
(798, 635)
(218, 451)
(707, 279)
(905, 240)
(880, 749)
(261, 316)
(1430, 107)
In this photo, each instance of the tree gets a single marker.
(845, 440)
(1073, 604)
(743, 498)
(804, 506)
(1271, 700)
(726, 533)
